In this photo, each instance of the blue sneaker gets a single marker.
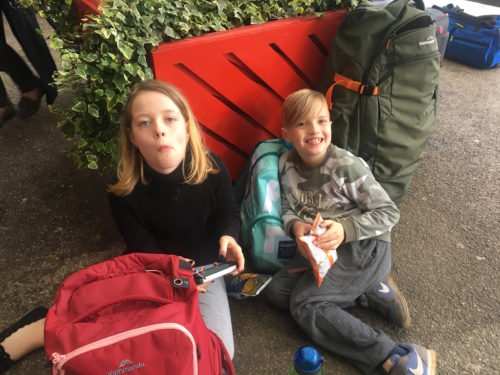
(418, 361)
(387, 300)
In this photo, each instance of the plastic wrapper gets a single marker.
(321, 259)
(246, 285)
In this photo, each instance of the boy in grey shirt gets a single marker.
(316, 176)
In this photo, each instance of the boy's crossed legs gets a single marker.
(320, 310)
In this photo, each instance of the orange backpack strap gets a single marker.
(360, 88)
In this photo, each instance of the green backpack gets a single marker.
(262, 233)
(380, 79)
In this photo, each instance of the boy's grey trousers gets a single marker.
(319, 311)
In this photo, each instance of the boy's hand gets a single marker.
(300, 229)
(333, 236)
(231, 251)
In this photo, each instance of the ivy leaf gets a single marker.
(92, 165)
(169, 32)
(80, 107)
(93, 110)
(120, 81)
(56, 43)
(221, 6)
(82, 142)
(125, 49)
(80, 72)
(105, 33)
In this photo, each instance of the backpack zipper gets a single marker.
(413, 60)
(58, 360)
(265, 217)
(469, 40)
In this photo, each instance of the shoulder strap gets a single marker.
(397, 6)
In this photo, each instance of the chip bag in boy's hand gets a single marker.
(321, 260)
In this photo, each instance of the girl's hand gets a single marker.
(333, 236)
(231, 251)
(202, 288)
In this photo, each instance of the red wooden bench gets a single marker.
(236, 80)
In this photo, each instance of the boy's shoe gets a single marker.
(388, 300)
(418, 361)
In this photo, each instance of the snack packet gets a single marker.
(321, 260)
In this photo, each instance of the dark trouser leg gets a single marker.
(3, 95)
(320, 310)
(12, 64)
(25, 27)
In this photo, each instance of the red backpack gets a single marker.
(134, 314)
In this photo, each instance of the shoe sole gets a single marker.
(432, 359)
(427, 358)
(404, 305)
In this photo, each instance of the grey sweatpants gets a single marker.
(214, 308)
(319, 311)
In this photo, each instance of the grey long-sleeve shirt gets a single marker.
(342, 188)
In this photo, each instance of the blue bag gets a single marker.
(262, 233)
(473, 40)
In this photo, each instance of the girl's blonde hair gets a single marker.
(131, 164)
(299, 104)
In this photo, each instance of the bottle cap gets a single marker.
(307, 360)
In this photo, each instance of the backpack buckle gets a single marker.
(368, 90)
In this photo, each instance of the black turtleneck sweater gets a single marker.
(169, 216)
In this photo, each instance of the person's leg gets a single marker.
(280, 288)
(214, 308)
(26, 29)
(22, 337)
(12, 64)
(320, 310)
(7, 109)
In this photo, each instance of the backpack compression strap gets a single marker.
(360, 88)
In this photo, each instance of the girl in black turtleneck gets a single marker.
(171, 196)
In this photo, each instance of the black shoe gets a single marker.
(9, 111)
(5, 361)
(27, 107)
(34, 315)
(50, 93)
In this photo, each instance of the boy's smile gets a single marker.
(311, 135)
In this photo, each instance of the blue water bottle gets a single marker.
(306, 361)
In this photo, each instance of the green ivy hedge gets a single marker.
(106, 55)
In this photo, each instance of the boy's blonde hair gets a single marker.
(298, 104)
(130, 166)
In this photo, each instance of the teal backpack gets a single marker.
(381, 78)
(262, 233)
